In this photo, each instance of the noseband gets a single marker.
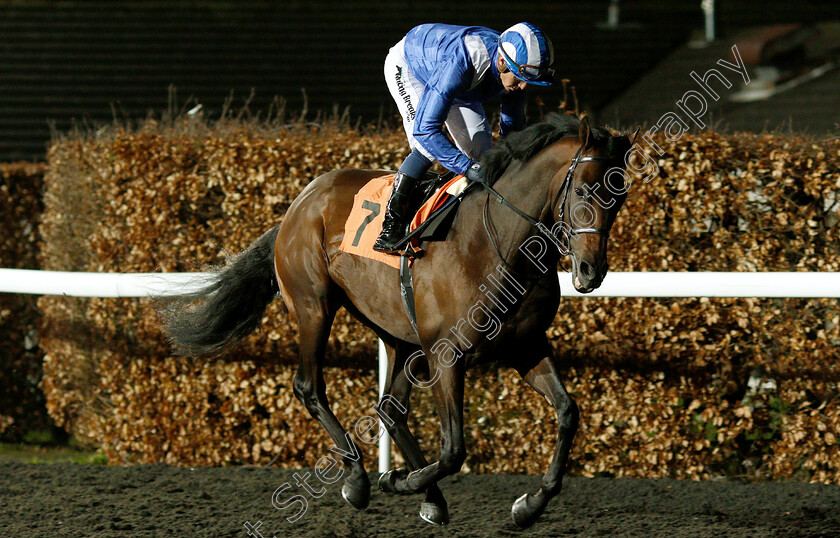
(563, 193)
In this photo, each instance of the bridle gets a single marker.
(563, 193)
(566, 187)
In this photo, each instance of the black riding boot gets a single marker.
(396, 214)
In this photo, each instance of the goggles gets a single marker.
(529, 73)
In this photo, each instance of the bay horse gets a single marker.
(542, 175)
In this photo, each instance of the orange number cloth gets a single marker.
(365, 221)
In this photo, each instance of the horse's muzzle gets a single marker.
(588, 277)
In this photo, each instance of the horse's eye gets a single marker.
(578, 191)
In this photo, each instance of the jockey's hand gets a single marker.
(475, 173)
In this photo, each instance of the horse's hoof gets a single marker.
(359, 498)
(526, 510)
(434, 513)
(388, 480)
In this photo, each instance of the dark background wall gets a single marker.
(86, 61)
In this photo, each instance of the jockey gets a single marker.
(441, 74)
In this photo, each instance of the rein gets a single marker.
(565, 188)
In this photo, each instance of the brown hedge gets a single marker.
(661, 383)
(21, 400)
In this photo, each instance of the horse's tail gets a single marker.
(228, 308)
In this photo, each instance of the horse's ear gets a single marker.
(585, 131)
(635, 134)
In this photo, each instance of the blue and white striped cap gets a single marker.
(528, 53)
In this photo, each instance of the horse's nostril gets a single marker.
(587, 269)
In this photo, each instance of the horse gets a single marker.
(545, 178)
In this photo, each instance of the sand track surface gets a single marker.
(159, 500)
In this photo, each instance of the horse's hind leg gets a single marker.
(394, 406)
(315, 318)
(544, 378)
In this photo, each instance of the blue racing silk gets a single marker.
(456, 64)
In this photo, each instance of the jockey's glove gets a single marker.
(475, 173)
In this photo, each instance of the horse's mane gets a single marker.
(523, 145)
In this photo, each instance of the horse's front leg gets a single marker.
(544, 378)
(395, 406)
(448, 393)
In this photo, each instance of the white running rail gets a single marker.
(711, 284)
(73, 284)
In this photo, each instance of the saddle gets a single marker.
(435, 203)
(429, 184)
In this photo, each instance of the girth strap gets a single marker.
(407, 291)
